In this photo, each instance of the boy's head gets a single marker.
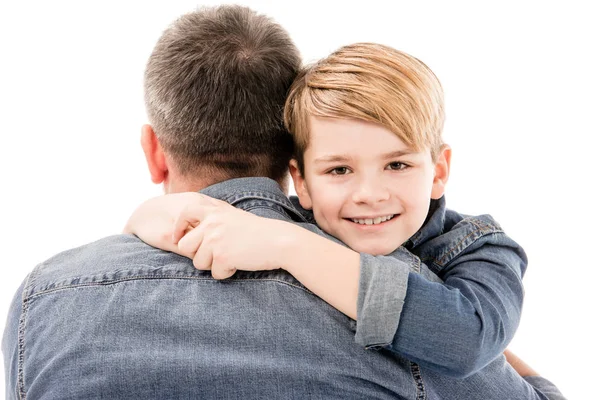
(215, 85)
(367, 123)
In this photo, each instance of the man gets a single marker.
(119, 319)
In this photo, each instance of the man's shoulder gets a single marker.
(108, 259)
(120, 258)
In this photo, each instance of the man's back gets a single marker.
(120, 319)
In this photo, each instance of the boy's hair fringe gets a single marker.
(369, 82)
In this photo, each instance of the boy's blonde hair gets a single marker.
(374, 83)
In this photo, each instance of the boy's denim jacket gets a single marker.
(449, 299)
(455, 327)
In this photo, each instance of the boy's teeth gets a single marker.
(372, 221)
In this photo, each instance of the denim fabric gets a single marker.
(120, 319)
(455, 328)
(460, 326)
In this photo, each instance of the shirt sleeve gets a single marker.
(383, 284)
(454, 327)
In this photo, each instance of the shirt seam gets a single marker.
(266, 208)
(480, 232)
(21, 339)
(264, 195)
(155, 277)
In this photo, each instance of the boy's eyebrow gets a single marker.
(399, 153)
(332, 158)
(344, 158)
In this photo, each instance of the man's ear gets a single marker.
(442, 172)
(300, 185)
(155, 157)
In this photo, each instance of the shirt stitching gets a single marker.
(479, 232)
(158, 277)
(258, 207)
(21, 341)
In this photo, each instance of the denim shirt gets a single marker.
(120, 319)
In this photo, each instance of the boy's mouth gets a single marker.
(372, 221)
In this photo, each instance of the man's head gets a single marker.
(215, 86)
(367, 124)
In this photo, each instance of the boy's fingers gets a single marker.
(220, 272)
(190, 243)
(203, 258)
(180, 228)
(190, 216)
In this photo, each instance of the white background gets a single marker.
(522, 91)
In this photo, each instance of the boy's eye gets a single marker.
(397, 166)
(339, 171)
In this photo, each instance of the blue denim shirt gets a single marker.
(120, 319)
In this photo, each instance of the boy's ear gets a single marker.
(300, 185)
(155, 157)
(442, 172)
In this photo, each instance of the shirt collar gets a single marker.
(239, 189)
(433, 226)
(228, 189)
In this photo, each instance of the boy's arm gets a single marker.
(455, 327)
(162, 221)
(226, 239)
(471, 316)
(153, 220)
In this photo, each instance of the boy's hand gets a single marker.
(519, 365)
(224, 238)
(153, 220)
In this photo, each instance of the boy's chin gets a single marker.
(376, 248)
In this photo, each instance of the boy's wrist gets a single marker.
(285, 246)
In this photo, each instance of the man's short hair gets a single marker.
(215, 86)
(369, 82)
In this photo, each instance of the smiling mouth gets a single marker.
(372, 221)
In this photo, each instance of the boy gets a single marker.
(372, 167)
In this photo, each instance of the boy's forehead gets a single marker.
(336, 137)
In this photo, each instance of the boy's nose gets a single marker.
(369, 193)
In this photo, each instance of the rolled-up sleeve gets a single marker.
(382, 289)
